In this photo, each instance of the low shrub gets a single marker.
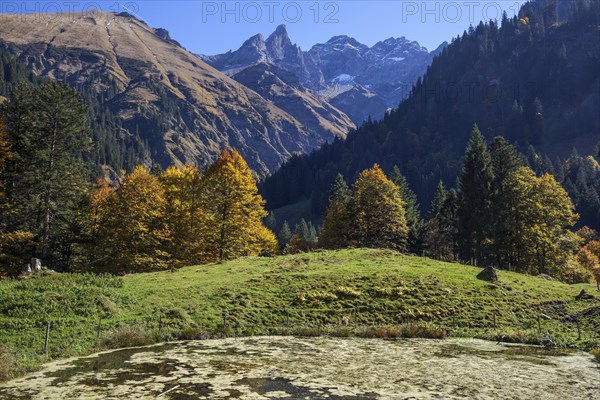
(342, 331)
(191, 333)
(308, 332)
(7, 364)
(128, 336)
(427, 331)
(381, 332)
(596, 353)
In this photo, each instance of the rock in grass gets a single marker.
(488, 274)
(583, 295)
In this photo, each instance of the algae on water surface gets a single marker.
(315, 368)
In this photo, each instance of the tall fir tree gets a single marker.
(475, 200)
(441, 227)
(505, 161)
(49, 128)
(413, 214)
(339, 192)
(285, 234)
(6, 154)
(450, 222)
(435, 239)
(334, 234)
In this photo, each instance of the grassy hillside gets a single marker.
(300, 294)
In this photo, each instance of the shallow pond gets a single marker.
(317, 368)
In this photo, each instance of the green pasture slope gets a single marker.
(349, 292)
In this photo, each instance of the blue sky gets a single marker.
(211, 27)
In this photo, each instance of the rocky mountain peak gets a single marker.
(256, 42)
(279, 45)
(280, 32)
(381, 75)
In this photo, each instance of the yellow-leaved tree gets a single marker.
(541, 213)
(184, 216)
(589, 258)
(377, 214)
(96, 255)
(234, 211)
(129, 227)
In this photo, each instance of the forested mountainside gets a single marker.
(159, 103)
(113, 145)
(361, 81)
(532, 79)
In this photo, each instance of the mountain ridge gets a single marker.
(185, 109)
(378, 77)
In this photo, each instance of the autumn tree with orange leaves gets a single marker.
(234, 210)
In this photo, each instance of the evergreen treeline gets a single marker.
(501, 214)
(532, 79)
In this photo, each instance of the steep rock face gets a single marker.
(185, 109)
(360, 104)
(376, 78)
(285, 91)
(285, 54)
(340, 56)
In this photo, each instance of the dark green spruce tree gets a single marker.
(441, 235)
(505, 160)
(449, 222)
(435, 240)
(413, 215)
(474, 209)
(335, 227)
(285, 234)
(47, 179)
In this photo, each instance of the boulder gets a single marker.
(583, 295)
(488, 274)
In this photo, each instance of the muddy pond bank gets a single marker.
(317, 368)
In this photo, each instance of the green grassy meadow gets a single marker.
(350, 292)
